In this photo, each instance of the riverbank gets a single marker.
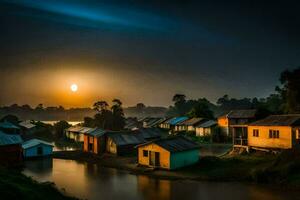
(15, 185)
(256, 168)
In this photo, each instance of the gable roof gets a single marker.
(279, 120)
(121, 138)
(176, 120)
(191, 122)
(27, 124)
(34, 142)
(207, 124)
(8, 125)
(175, 144)
(9, 139)
(242, 114)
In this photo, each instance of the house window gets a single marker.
(273, 133)
(145, 153)
(297, 133)
(255, 133)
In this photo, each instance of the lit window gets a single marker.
(273, 133)
(255, 133)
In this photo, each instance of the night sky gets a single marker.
(143, 51)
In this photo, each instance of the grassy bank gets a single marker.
(15, 185)
(271, 169)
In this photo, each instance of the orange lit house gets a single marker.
(168, 153)
(275, 132)
(94, 141)
(235, 123)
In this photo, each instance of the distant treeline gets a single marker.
(73, 114)
(284, 99)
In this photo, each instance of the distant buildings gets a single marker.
(171, 123)
(27, 127)
(189, 124)
(207, 128)
(76, 133)
(169, 153)
(36, 148)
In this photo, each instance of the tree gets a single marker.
(201, 110)
(60, 127)
(10, 118)
(118, 115)
(290, 90)
(140, 106)
(88, 122)
(100, 106)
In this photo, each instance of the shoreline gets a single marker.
(192, 173)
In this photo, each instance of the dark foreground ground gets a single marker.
(16, 186)
(282, 169)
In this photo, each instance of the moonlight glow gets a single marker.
(74, 87)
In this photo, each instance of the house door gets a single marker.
(40, 151)
(154, 158)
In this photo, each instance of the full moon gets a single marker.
(74, 87)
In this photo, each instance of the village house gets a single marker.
(189, 125)
(234, 124)
(76, 133)
(10, 148)
(152, 122)
(27, 127)
(9, 128)
(122, 143)
(169, 153)
(132, 124)
(94, 141)
(36, 148)
(274, 132)
(207, 128)
(171, 123)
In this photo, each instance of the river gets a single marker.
(90, 181)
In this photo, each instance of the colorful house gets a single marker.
(275, 132)
(36, 148)
(94, 141)
(207, 128)
(189, 125)
(10, 148)
(169, 153)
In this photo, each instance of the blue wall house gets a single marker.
(36, 148)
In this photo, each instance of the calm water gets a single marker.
(94, 182)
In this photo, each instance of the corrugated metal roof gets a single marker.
(34, 142)
(96, 132)
(85, 129)
(8, 125)
(175, 144)
(177, 120)
(122, 139)
(8, 139)
(148, 133)
(79, 129)
(242, 114)
(279, 120)
(27, 124)
(191, 122)
(208, 123)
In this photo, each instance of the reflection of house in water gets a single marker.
(42, 166)
(152, 188)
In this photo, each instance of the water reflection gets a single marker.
(95, 182)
